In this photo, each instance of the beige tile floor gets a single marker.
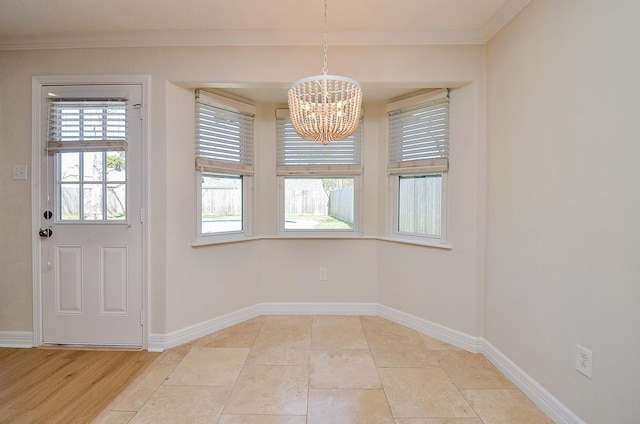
(323, 370)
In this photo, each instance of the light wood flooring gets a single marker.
(65, 386)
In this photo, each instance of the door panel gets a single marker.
(68, 279)
(92, 283)
(114, 287)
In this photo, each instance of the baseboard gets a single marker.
(551, 406)
(21, 339)
(314, 308)
(431, 329)
(160, 342)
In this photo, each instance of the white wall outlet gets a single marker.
(323, 274)
(19, 172)
(584, 361)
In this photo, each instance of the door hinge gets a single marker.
(141, 215)
(141, 317)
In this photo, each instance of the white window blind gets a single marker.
(224, 135)
(297, 156)
(419, 134)
(90, 125)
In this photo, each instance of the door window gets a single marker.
(89, 140)
(91, 186)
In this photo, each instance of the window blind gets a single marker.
(297, 156)
(87, 125)
(419, 135)
(224, 135)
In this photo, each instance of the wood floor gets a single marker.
(65, 386)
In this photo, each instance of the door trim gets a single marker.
(38, 83)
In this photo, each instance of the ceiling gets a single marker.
(46, 24)
(76, 23)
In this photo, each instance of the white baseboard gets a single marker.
(313, 308)
(551, 406)
(160, 342)
(431, 329)
(22, 339)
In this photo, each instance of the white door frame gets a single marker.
(37, 144)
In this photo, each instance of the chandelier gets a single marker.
(325, 107)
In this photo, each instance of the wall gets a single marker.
(15, 222)
(441, 285)
(190, 285)
(564, 200)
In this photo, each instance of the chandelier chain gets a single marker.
(325, 69)
(325, 107)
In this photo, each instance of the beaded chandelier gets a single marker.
(325, 107)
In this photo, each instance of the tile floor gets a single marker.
(323, 370)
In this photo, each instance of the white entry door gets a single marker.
(91, 219)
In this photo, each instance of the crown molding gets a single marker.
(221, 38)
(234, 39)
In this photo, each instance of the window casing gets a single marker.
(319, 186)
(224, 168)
(418, 167)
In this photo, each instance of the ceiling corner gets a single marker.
(502, 17)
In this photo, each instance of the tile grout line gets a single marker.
(374, 330)
(244, 364)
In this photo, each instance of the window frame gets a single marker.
(394, 222)
(87, 125)
(356, 231)
(103, 183)
(247, 219)
(225, 169)
(315, 171)
(416, 168)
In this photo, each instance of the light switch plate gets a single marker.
(19, 172)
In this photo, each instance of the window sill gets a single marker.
(207, 242)
(318, 235)
(425, 243)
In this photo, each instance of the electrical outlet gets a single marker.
(584, 361)
(323, 274)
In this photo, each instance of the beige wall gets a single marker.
(563, 202)
(445, 286)
(190, 285)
